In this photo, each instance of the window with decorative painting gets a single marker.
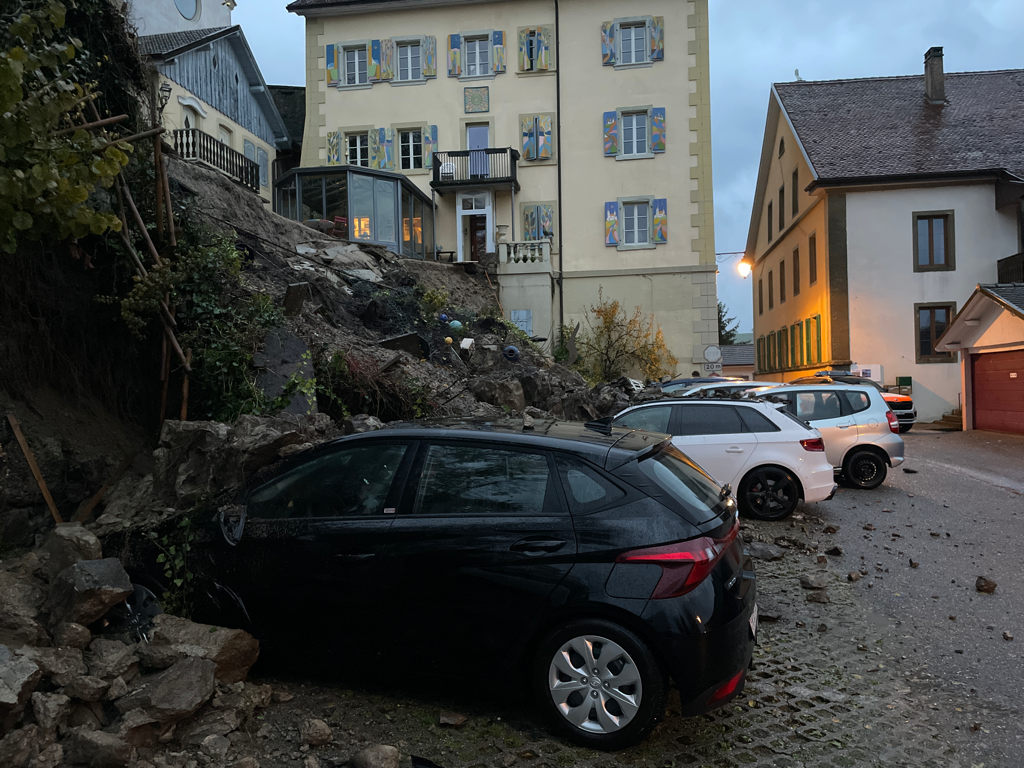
(536, 137)
(633, 41)
(634, 132)
(534, 49)
(539, 221)
(636, 223)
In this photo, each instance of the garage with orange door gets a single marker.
(989, 335)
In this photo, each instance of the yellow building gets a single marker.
(570, 138)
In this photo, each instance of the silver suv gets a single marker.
(861, 433)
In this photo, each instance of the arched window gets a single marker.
(782, 147)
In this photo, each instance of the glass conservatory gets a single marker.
(360, 204)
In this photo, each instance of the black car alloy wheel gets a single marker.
(864, 469)
(599, 684)
(768, 493)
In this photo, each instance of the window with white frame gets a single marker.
(636, 218)
(410, 145)
(634, 134)
(359, 149)
(632, 44)
(355, 66)
(409, 67)
(477, 56)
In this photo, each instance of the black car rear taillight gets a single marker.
(684, 565)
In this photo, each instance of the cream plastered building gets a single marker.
(880, 204)
(596, 119)
(215, 104)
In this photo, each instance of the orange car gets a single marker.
(901, 405)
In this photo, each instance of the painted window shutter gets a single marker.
(263, 160)
(543, 137)
(608, 30)
(498, 48)
(387, 58)
(611, 223)
(523, 37)
(545, 221)
(388, 143)
(656, 34)
(376, 139)
(530, 230)
(523, 319)
(429, 145)
(428, 47)
(374, 60)
(529, 128)
(660, 221)
(334, 147)
(544, 40)
(611, 134)
(249, 149)
(658, 129)
(333, 72)
(454, 55)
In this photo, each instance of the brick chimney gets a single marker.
(934, 80)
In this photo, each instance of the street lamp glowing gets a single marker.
(744, 268)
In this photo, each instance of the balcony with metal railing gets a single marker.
(1011, 269)
(491, 167)
(193, 144)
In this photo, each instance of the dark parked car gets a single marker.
(594, 563)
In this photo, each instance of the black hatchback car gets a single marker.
(593, 562)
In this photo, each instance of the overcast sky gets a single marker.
(753, 44)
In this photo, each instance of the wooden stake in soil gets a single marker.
(184, 385)
(31, 459)
(84, 512)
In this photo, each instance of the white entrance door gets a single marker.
(473, 204)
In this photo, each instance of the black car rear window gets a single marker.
(652, 419)
(683, 480)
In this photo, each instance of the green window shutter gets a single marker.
(429, 145)
(658, 129)
(611, 133)
(611, 223)
(544, 137)
(807, 341)
(660, 220)
(428, 54)
(817, 337)
(333, 73)
(656, 34)
(528, 124)
(608, 30)
(454, 55)
(498, 51)
(544, 54)
(523, 53)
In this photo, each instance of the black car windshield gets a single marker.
(678, 476)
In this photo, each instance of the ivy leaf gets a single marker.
(21, 220)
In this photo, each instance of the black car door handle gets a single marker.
(537, 546)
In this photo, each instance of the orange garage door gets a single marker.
(999, 391)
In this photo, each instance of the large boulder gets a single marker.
(175, 693)
(21, 598)
(18, 679)
(377, 756)
(109, 658)
(86, 688)
(97, 749)
(506, 393)
(234, 651)
(283, 358)
(51, 711)
(17, 747)
(85, 591)
(61, 665)
(67, 544)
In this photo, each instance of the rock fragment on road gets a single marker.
(763, 551)
(817, 580)
(985, 586)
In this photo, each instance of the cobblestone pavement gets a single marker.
(835, 683)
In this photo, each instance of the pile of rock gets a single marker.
(69, 696)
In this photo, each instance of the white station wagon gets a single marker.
(769, 458)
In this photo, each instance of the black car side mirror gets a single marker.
(231, 518)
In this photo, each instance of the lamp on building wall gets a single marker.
(165, 94)
(745, 266)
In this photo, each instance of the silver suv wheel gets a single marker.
(595, 684)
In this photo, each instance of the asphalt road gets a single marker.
(956, 508)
